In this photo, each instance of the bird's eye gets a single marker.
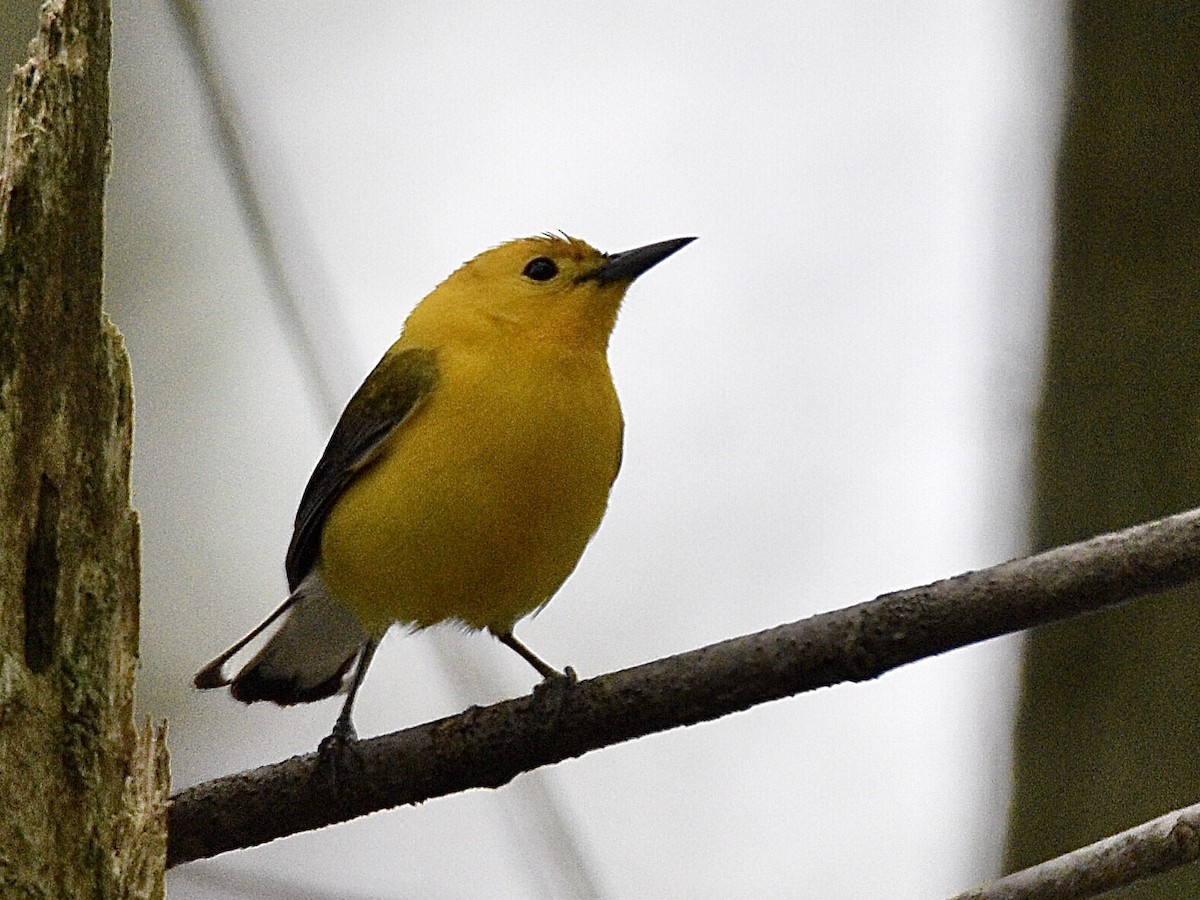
(540, 269)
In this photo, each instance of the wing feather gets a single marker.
(389, 395)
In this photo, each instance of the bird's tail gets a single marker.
(307, 657)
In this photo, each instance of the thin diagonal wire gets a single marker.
(231, 881)
(320, 341)
(300, 291)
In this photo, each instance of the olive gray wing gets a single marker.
(395, 389)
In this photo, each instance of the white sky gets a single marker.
(827, 396)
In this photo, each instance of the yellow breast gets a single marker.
(482, 502)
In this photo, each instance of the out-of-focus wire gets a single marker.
(299, 288)
(215, 880)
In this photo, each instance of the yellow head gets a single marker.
(546, 288)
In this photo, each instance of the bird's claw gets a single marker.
(555, 680)
(335, 754)
(555, 688)
(343, 735)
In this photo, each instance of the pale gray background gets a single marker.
(827, 396)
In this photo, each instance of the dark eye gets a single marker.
(540, 269)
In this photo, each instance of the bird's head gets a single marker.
(549, 287)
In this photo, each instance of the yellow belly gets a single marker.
(482, 503)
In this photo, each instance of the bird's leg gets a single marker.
(343, 729)
(548, 673)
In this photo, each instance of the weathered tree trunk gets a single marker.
(82, 792)
(1109, 722)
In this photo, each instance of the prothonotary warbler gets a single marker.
(465, 477)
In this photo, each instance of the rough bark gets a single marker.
(1110, 713)
(82, 791)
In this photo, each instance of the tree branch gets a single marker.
(1148, 849)
(488, 747)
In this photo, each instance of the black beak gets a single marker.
(632, 263)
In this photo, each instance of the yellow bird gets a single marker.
(464, 478)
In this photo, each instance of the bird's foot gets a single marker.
(336, 754)
(343, 734)
(555, 687)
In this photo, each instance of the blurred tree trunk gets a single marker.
(82, 792)
(1109, 722)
